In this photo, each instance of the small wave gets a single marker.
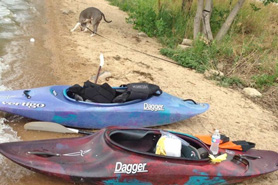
(4, 11)
(6, 21)
(15, 17)
(3, 67)
(7, 134)
(10, 172)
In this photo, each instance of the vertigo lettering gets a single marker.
(25, 104)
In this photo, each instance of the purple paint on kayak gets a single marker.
(52, 104)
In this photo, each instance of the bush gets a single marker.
(243, 51)
(166, 23)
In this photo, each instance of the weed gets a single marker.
(198, 57)
(229, 81)
(265, 80)
(249, 49)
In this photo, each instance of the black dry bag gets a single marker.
(138, 91)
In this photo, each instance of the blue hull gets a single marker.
(52, 104)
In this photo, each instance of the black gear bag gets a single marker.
(138, 91)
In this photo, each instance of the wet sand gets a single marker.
(74, 58)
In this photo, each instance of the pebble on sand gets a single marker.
(32, 40)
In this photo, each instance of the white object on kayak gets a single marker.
(101, 59)
(168, 146)
(100, 66)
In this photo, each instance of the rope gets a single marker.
(133, 49)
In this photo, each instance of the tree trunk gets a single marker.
(226, 26)
(198, 18)
(206, 20)
(187, 9)
(186, 5)
(189, 5)
(159, 5)
(183, 5)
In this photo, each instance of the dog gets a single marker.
(88, 16)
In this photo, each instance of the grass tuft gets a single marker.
(248, 54)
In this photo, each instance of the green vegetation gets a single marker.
(168, 25)
(248, 55)
(264, 80)
(199, 57)
(229, 81)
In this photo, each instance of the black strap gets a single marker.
(190, 100)
(245, 145)
(224, 138)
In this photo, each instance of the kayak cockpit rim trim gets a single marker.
(151, 143)
(100, 104)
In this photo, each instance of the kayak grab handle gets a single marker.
(249, 156)
(44, 154)
(26, 93)
(190, 100)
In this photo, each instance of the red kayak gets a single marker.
(127, 155)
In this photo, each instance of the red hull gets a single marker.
(105, 158)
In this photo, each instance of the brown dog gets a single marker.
(92, 16)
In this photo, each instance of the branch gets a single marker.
(226, 26)
(197, 19)
(206, 20)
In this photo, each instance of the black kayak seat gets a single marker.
(190, 152)
(139, 140)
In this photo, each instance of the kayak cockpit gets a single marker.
(118, 90)
(147, 142)
(91, 92)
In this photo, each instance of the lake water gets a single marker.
(14, 15)
(23, 64)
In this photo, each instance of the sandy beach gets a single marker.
(75, 59)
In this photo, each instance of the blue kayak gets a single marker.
(52, 104)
